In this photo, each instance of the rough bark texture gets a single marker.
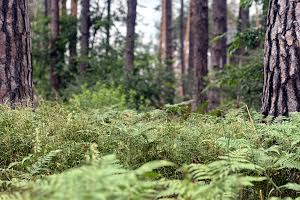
(54, 52)
(73, 38)
(281, 94)
(107, 27)
(130, 36)
(219, 47)
(199, 28)
(85, 32)
(182, 56)
(15, 53)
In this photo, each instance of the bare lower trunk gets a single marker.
(199, 28)
(182, 57)
(54, 52)
(107, 27)
(73, 37)
(15, 53)
(219, 48)
(85, 33)
(281, 94)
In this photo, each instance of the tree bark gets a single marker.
(54, 51)
(219, 48)
(166, 49)
(130, 37)
(243, 19)
(199, 28)
(107, 27)
(15, 53)
(85, 33)
(182, 56)
(47, 7)
(281, 93)
(73, 38)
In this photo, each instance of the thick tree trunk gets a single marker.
(199, 28)
(73, 38)
(54, 51)
(219, 47)
(182, 56)
(85, 32)
(107, 27)
(281, 94)
(15, 53)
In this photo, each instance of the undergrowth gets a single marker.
(60, 152)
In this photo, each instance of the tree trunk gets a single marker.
(73, 38)
(182, 47)
(218, 49)
(130, 44)
(107, 27)
(190, 54)
(166, 49)
(243, 19)
(85, 33)
(130, 37)
(47, 7)
(199, 28)
(54, 51)
(15, 54)
(281, 94)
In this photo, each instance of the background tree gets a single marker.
(182, 46)
(108, 27)
(199, 28)
(130, 41)
(219, 47)
(85, 33)
(73, 36)
(282, 61)
(166, 49)
(54, 48)
(15, 53)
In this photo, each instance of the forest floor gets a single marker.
(66, 152)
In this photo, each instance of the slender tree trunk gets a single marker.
(107, 27)
(199, 28)
(166, 49)
(190, 54)
(281, 94)
(130, 37)
(54, 51)
(219, 48)
(47, 7)
(15, 53)
(130, 43)
(85, 32)
(182, 56)
(243, 19)
(73, 38)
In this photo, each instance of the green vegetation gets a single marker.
(62, 148)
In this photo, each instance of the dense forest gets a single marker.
(149, 99)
